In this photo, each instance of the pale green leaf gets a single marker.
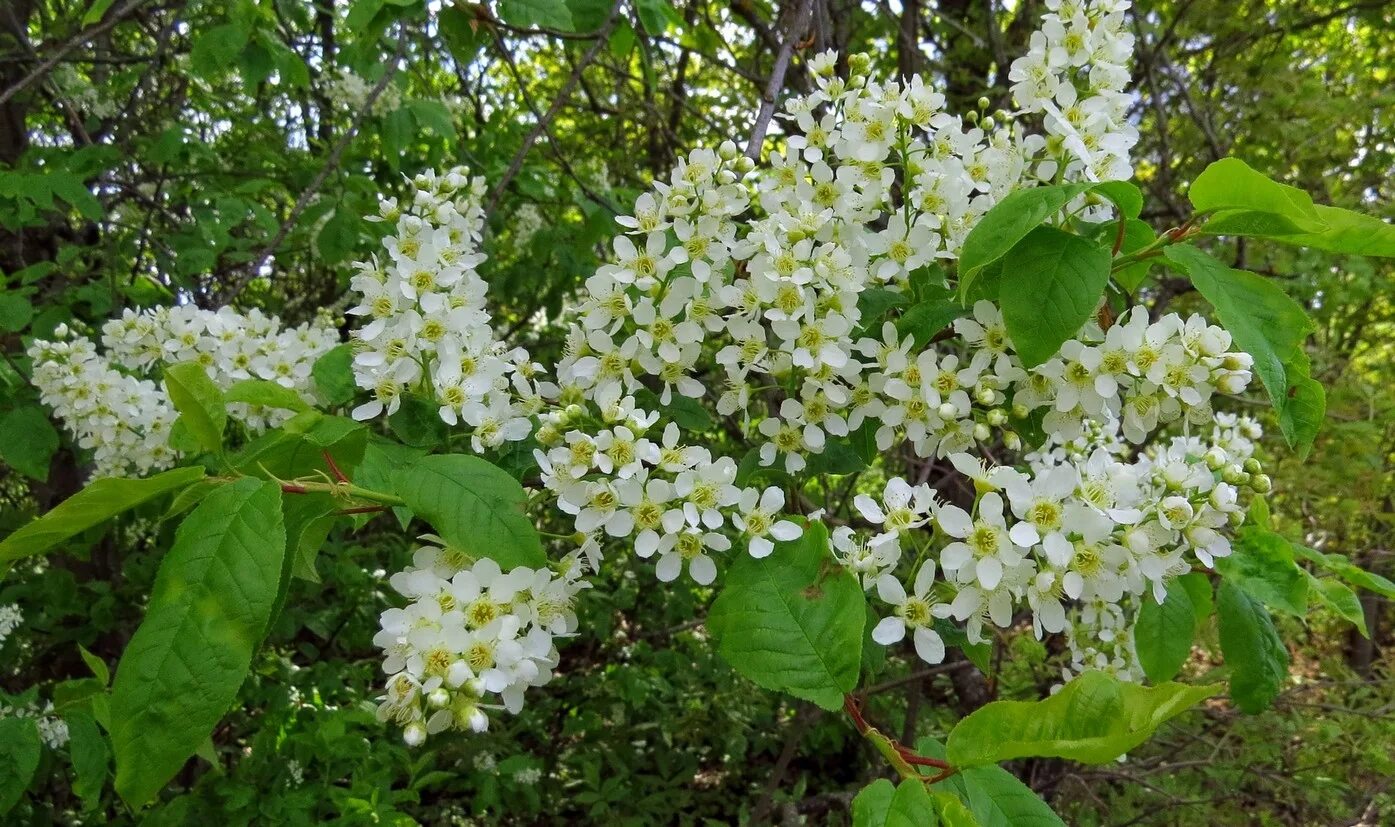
(1052, 282)
(199, 402)
(1252, 648)
(475, 507)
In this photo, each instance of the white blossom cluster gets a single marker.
(10, 618)
(428, 331)
(1074, 74)
(103, 400)
(349, 92)
(52, 729)
(124, 421)
(1078, 541)
(471, 639)
(232, 345)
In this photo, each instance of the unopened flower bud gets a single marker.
(982, 432)
(438, 698)
(1215, 459)
(1261, 483)
(728, 150)
(947, 410)
(988, 122)
(1234, 475)
(1012, 441)
(1020, 411)
(985, 396)
(984, 102)
(414, 735)
(1252, 465)
(997, 417)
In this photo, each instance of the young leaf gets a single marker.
(1052, 283)
(1348, 571)
(1008, 222)
(208, 611)
(475, 507)
(266, 394)
(908, 805)
(1252, 648)
(997, 799)
(199, 402)
(99, 501)
(1163, 634)
(792, 623)
(1094, 719)
(1230, 184)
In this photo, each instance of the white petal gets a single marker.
(890, 630)
(929, 645)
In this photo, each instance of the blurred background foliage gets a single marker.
(204, 151)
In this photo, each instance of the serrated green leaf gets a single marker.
(1347, 232)
(1095, 718)
(1252, 649)
(475, 507)
(88, 748)
(792, 622)
(209, 609)
(334, 375)
(1261, 563)
(1052, 282)
(1348, 571)
(1008, 222)
(100, 501)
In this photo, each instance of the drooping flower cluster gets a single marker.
(108, 406)
(230, 344)
(428, 331)
(349, 92)
(471, 639)
(124, 421)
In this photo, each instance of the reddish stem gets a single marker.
(334, 467)
(1119, 236)
(293, 489)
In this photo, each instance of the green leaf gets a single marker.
(29, 441)
(997, 799)
(1093, 719)
(1052, 283)
(417, 422)
(267, 394)
(1348, 571)
(1137, 235)
(924, 320)
(839, 456)
(95, 11)
(1268, 325)
(656, 15)
(339, 235)
(459, 30)
(1126, 196)
(216, 49)
(208, 611)
(1249, 222)
(16, 311)
(334, 375)
(1163, 634)
(1252, 648)
(1008, 222)
(906, 805)
(199, 402)
(100, 501)
(792, 622)
(1337, 596)
(96, 664)
(1347, 232)
(1230, 184)
(475, 507)
(552, 14)
(90, 755)
(872, 305)
(20, 747)
(434, 116)
(1198, 588)
(1261, 563)
(952, 811)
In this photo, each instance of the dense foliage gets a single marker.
(450, 413)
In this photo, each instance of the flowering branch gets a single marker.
(798, 24)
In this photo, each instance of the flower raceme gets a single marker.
(754, 288)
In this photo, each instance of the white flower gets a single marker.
(916, 611)
(755, 517)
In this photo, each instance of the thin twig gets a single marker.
(798, 24)
(602, 37)
(77, 40)
(331, 163)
